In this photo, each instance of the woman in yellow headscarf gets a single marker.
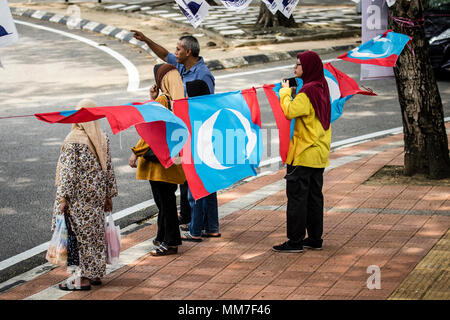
(86, 183)
(164, 182)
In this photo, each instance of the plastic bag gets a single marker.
(113, 240)
(57, 249)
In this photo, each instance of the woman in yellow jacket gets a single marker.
(164, 182)
(308, 153)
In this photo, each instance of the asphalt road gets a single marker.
(47, 72)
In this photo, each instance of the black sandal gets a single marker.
(164, 250)
(210, 235)
(189, 237)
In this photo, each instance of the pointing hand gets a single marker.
(138, 35)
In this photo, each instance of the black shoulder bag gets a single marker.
(149, 155)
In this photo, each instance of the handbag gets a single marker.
(57, 249)
(149, 155)
(113, 240)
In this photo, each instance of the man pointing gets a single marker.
(191, 67)
(186, 59)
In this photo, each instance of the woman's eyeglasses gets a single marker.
(297, 64)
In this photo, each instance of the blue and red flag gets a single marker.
(164, 132)
(225, 141)
(285, 126)
(341, 88)
(382, 50)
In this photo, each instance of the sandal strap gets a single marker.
(69, 284)
(161, 249)
(164, 246)
(73, 282)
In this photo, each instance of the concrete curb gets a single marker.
(127, 36)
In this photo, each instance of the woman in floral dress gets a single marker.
(86, 183)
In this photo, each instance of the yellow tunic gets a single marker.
(310, 143)
(147, 170)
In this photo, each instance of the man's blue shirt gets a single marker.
(199, 71)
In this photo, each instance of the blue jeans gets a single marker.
(204, 214)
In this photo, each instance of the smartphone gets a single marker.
(292, 82)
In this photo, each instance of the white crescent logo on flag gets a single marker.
(248, 131)
(205, 149)
(355, 52)
(335, 92)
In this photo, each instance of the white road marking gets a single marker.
(133, 73)
(225, 76)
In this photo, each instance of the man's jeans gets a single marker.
(204, 215)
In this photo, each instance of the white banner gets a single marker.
(194, 10)
(287, 7)
(236, 5)
(273, 5)
(374, 22)
(8, 32)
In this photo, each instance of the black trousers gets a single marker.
(185, 207)
(305, 203)
(166, 201)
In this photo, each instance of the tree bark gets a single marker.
(267, 20)
(425, 137)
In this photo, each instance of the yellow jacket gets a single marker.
(147, 170)
(310, 143)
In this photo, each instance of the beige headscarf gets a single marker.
(88, 133)
(172, 85)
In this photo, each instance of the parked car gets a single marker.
(437, 32)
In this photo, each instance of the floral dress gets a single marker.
(86, 187)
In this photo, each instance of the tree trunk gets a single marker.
(425, 137)
(267, 20)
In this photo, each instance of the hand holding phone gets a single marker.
(292, 82)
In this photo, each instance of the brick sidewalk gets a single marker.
(394, 227)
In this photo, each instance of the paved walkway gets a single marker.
(401, 229)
